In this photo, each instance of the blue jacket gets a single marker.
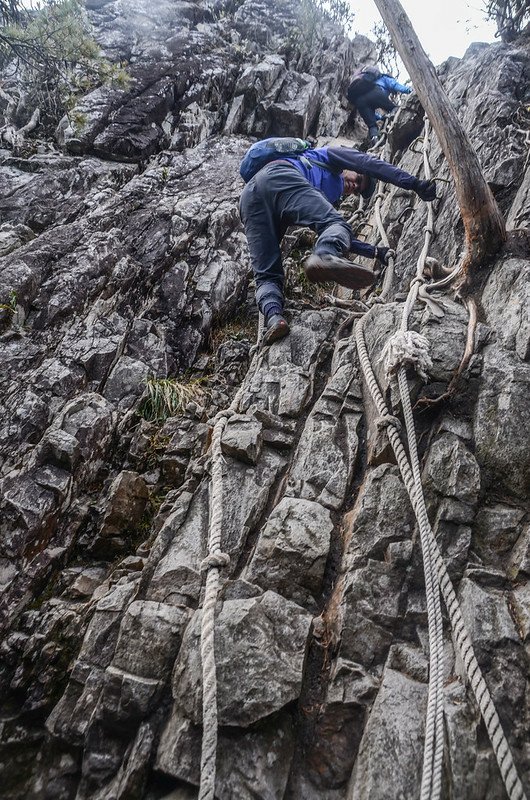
(390, 84)
(331, 184)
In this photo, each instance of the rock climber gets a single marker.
(296, 191)
(370, 90)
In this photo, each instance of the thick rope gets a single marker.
(212, 564)
(406, 347)
(501, 748)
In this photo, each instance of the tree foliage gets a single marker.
(511, 17)
(387, 57)
(48, 58)
(313, 13)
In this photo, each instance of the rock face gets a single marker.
(123, 262)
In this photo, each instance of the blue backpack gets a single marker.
(261, 153)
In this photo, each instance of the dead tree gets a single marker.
(484, 226)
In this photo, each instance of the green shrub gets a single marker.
(49, 58)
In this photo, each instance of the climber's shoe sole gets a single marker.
(277, 328)
(324, 268)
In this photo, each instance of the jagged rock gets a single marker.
(495, 532)
(518, 216)
(245, 495)
(391, 748)
(242, 438)
(128, 496)
(112, 273)
(260, 646)
(254, 761)
(372, 524)
(298, 530)
(510, 316)
(150, 636)
(295, 108)
(370, 606)
(86, 582)
(326, 454)
(502, 426)
(520, 558)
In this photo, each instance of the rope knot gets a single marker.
(225, 414)
(407, 348)
(418, 279)
(387, 419)
(215, 560)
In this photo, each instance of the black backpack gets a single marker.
(363, 80)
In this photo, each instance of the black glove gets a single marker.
(426, 190)
(383, 254)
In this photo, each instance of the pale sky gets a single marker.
(444, 27)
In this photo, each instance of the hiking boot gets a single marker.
(276, 328)
(324, 268)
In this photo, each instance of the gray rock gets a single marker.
(370, 606)
(521, 610)
(501, 424)
(451, 470)
(520, 557)
(150, 636)
(86, 582)
(260, 646)
(242, 438)
(127, 499)
(327, 451)
(518, 215)
(487, 615)
(382, 516)
(296, 106)
(496, 529)
(506, 299)
(391, 749)
(292, 549)
(248, 761)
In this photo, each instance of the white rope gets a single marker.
(388, 277)
(463, 646)
(408, 348)
(212, 564)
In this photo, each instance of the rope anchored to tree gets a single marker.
(403, 350)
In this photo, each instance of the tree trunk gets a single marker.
(484, 226)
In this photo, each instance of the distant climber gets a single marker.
(300, 190)
(370, 90)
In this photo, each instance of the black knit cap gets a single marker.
(370, 189)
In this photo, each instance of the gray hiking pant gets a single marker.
(275, 198)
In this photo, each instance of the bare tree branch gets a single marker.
(484, 226)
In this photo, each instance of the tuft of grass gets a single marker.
(11, 306)
(168, 397)
(242, 326)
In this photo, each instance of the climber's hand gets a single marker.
(384, 254)
(426, 190)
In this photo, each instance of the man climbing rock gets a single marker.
(370, 90)
(300, 190)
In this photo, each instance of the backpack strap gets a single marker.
(311, 162)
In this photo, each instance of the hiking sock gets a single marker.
(271, 308)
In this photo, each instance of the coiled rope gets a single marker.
(407, 347)
(212, 565)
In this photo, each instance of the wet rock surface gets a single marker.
(123, 263)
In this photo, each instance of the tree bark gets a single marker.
(484, 226)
